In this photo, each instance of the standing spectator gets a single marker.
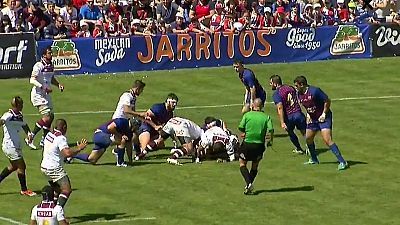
(166, 11)
(6, 26)
(40, 213)
(78, 3)
(99, 30)
(68, 12)
(281, 18)
(203, 10)
(35, 16)
(57, 31)
(343, 12)
(256, 127)
(151, 28)
(50, 14)
(178, 27)
(140, 9)
(318, 16)
(136, 29)
(84, 31)
(13, 122)
(112, 27)
(74, 28)
(11, 12)
(217, 20)
(308, 15)
(382, 9)
(90, 13)
(115, 9)
(186, 6)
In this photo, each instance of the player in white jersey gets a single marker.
(218, 143)
(42, 77)
(47, 212)
(186, 132)
(55, 150)
(13, 122)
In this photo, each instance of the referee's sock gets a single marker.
(253, 174)
(246, 175)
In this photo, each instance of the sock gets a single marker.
(294, 140)
(245, 174)
(38, 126)
(313, 153)
(179, 153)
(120, 155)
(22, 181)
(151, 146)
(62, 199)
(335, 150)
(4, 174)
(82, 156)
(253, 174)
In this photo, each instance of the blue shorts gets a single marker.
(296, 120)
(145, 127)
(101, 141)
(263, 98)
(317, 126)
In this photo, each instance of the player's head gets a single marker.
(238, 66)
(48, 193)
(47, 53)
(138, 87)
(61, 125)
(209, 122)
(275, 81)
(301, 84)
(257, 104)
(171, 101)
(218, 147)
(17, 103)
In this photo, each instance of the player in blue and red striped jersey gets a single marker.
(253, 87)
(319, 118)
(289, 110)
(157, 116)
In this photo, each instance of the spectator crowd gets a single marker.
(60, 19)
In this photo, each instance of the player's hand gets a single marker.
(124, 139)
(321, 119)
(158, 128)
(30, 137)
(308, 119)
(61, 87)
(283, 125)
(82, 144)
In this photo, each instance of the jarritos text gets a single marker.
(203, 45)
(348, 40)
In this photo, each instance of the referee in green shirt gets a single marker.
(257, 128)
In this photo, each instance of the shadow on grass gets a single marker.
(38, 192)
(283, 135)
(287, 189)
(321, 150)
(350, 162)
(98, 216)
(73, 144)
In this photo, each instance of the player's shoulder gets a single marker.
(38, 64)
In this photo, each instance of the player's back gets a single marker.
(161, 114)
(126, 99)
(54, 143)
(217, 134)
(47, 213)
(12, 126)
(290, 102)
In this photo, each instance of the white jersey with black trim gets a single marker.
(128, 99)
(47, 213)
(54, 143)
(181, 127)
(13, 123)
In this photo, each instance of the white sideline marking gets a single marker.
(120, 220)
(217, 106)
(11, 221)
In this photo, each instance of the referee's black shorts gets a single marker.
(251, 151)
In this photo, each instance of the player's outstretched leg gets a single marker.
(327, 136)
(295, 141)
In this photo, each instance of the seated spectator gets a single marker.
(178, 27)
(151, 28)
(396, 18)
(115, 9)
(294, 18)
(162, 28)
(68, 12)
(268, 18)
(318, 16)
(99, 31)
(50, 14)
(194, 26)
(74, 28)
(140, 9)
(25, 25)
(382, 9)
(112, 27)
(308, 15)
(186, 6)
(6, 26)
(281, 20)
(11, 12)
(241, 8)
(343, 12)
(90, 13)
(35, 16)
(254, 16)
(84, 31)
(136, 29)
(166, 11)
(228, 23)
(243, 23)
(57, 30)
(217, 20)
(78, 4)
(203, 10)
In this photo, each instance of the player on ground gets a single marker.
(47, 212)
(319, 118)
(126, 108)
(12, 122)
(257, 128)
(186, 132)
(252, 86)
(42, 78)
(117, 131)
(289, 110)
(158, 115)
(218, 143)
(55, 150)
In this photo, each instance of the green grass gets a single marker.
(289, 192)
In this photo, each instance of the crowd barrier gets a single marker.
(141, 53)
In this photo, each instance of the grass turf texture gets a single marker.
(288, 192)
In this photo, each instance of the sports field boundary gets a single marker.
(223, 105)
(11, 221)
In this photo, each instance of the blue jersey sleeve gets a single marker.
(249, 78)
(320, 95)
(277, 98)
(156, 109)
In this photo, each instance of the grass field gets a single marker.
(153, 192)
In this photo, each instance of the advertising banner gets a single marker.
(385, 40)
(17, 55)
(139, 53)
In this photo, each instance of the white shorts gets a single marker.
(54, 174)
(12, 153)
(39, 99)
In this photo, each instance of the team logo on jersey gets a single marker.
(348, 40)
(65, 55)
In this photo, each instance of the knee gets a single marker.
(309, 140)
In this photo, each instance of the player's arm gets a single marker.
(327, 104)
(33, 216)
(269, 137)
(55, 82)
(27, 131)
(279, 108)
(69, 152)
(128, 110)
(252, 94)
(149, 115)
(242, 125)
(35, 73)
